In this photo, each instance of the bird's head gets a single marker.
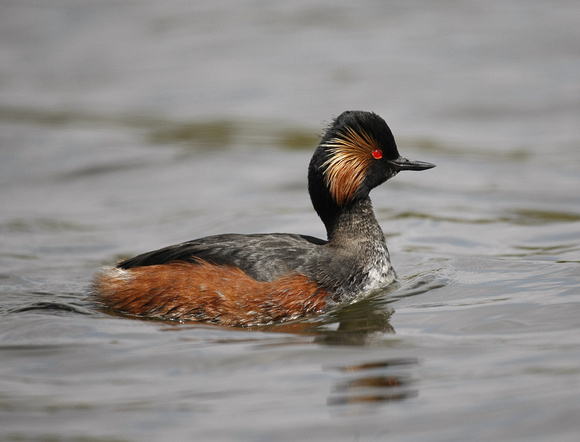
(356, 154)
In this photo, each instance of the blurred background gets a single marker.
(130, 125)
(501, 76)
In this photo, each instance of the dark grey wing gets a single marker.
(264, 257)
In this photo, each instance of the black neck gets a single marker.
(354, 224)
(354, 220)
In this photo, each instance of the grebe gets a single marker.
(259, 279)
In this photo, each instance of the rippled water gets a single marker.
(128, 126)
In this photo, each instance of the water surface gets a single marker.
(126, 126)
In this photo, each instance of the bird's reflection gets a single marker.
(373, 382)
(358, 324)
(352, 324)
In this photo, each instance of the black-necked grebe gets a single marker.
(246, 280)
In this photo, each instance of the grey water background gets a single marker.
(127, 126)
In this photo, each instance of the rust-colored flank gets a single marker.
(204, 292)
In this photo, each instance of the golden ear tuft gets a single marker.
(351, 154)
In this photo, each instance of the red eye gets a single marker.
(377, 154)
